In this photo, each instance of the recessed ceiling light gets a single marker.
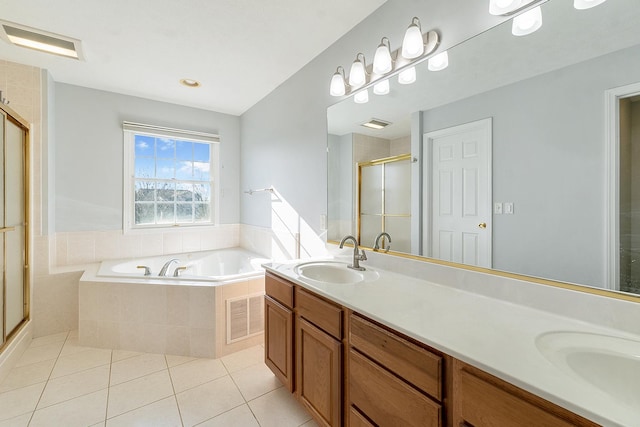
(190, 82)
(44, 41)
(376, 124)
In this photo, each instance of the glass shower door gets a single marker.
(14, 220)
(3, 332)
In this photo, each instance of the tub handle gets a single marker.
(176, 272)
(147, 270)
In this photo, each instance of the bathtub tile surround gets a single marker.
(118, 388)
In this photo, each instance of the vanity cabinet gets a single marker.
(347, 369)
(480, 399)
(278, 329)
(392, 380)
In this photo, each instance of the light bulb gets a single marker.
(358, 73)
(407, 76)
(362, 97)
(438, 62)
(381, 88)
(337, 87)
(413, 44)
(503, 7)
(586, 4)
(382, 62)
(528, 22)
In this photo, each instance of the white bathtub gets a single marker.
(195, 314)
(223, 265)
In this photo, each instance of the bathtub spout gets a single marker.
(165, 267)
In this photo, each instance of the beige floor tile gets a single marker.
(237, 417)
(278, 409)
(27, 375)
(40, 353)
(178, 360)
(244, 358)
(75, 385)
(208, 400)
(21, 421)
(19, 401)
(136, 367)
(78, 362)
(196, 372)
(255, 381)
(49, 339)
(119, 355)
(82, 411)
(163, 413)
(310, 423)
(71, 346)
(138, 393)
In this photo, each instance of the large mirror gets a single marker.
(524, 152)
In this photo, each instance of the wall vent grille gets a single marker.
(245, 317)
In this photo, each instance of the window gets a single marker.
(170, 177)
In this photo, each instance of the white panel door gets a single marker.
(457, 173)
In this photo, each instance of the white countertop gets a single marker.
(493, 335)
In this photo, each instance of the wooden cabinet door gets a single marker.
(319, 373)
(278, 341)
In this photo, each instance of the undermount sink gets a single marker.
(333, 272)
(609, 363)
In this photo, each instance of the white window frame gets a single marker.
(131, 129)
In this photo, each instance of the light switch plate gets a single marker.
(497, 208)
(508, 208)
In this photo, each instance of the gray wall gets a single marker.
(89, 153)
(284, 136)
(548, 159)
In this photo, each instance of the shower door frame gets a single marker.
(8, 115)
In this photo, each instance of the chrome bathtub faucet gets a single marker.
(357, 255)
(147, 270)
(165, 267)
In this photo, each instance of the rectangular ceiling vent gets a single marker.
(376, 124)
(33, 38)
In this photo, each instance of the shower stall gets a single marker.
(14, 232)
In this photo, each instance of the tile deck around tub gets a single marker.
(59, 383)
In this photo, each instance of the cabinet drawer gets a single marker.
(324, 315)
(356, 419)
(387, 400)
(279, 289)
(484, 404)
(415, 364)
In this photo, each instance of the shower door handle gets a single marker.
(7, 229)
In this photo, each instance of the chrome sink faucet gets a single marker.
(357, 254)
(376, 244)
(165, 267)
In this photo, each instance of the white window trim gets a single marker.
(128, 206)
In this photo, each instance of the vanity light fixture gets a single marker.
(381, 88)
(407, 76)
(413, 43)
(358, 72)
(362, 97)
(376, 124)
(44, 41)
(511, 7)
(417, 47)
(338, 83)
(527, 22)
(382, 62)
(586, 4)
(438, 62)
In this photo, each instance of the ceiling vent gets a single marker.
(376, 124)
(33, 38)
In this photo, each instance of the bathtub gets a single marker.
(223, 265)
(213, 308)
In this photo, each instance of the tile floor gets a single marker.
(59, 383)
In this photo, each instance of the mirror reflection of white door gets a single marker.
(457, 193)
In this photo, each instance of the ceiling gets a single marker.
(240, 50)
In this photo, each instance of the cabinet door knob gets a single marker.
(482, 225)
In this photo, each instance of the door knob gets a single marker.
(482, 225)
